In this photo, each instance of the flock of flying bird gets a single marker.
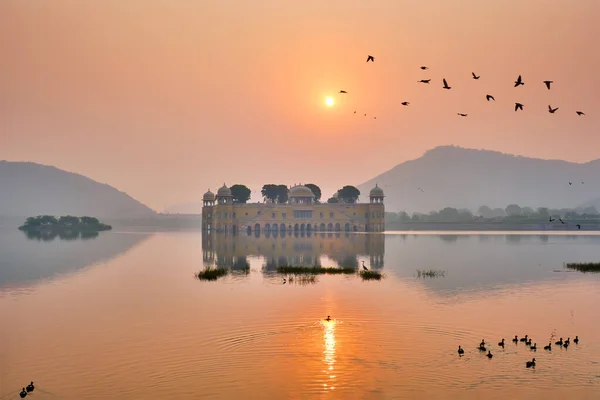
(488, 97)
(529, 364)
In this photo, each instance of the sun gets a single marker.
(329, 101)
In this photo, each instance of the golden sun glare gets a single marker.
(329, 101)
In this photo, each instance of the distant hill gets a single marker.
(452, 176)
(29, 189)
(185, 208)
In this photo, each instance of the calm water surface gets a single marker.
(121, 315)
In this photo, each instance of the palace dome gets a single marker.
(224, 191)
(208, 196)
(376, 192)
(301, 191)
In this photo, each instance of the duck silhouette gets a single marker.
(516, 339)
(524, 339)
(23, 393)
(559, 342)
(501, 344)
(489, 354)
(534, 347)
(30, 387)
(328, 318)
(576, 340)
(530, 364)
(461, 351)
(549, 347)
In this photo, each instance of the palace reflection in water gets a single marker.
(297, 249)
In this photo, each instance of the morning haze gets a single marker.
(164, 100)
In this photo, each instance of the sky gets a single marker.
(166, 99)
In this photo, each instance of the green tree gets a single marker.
(403, 216)
(498, 213)
(527, 211)
(543, 212)
(89, 221)
(33, 221)
(48, 220)
(282, 194)
(269, 192)
(449, 214)
(68, 220)
(333, 200)
(316, 191)
(348, 194)
(485, 212)
(513, 210)
(240, 193)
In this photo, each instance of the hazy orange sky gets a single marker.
(164, 99)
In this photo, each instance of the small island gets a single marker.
(66, 225)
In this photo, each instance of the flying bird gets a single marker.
(561, 221)
(552, 110)
(364, 267)
(489, 97)
(580, 112)
(552, 219)
(424, 68)
(446, 84)
(343, 91)
(462, 115)
(548, 84)
(578, 226)
(405, 103)
(570, 183)
(518, 106)
(519, 81)
(424, 81)
(475, 76)
(370, 58)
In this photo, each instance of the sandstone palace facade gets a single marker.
(299, 214)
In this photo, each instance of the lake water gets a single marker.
(122, 315)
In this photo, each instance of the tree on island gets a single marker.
(69, 220)
(333, 200)
(40, 220)
(89, 221)
(64, 223)
(316, 191)
(240, 193)
(348, 194)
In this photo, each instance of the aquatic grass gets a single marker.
(315, 270)
(371, 275)
(212, 274)
(584, 267)
(303, 279)
(430, 273)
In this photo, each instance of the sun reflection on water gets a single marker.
(329, 352)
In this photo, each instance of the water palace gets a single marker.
(301, 213)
